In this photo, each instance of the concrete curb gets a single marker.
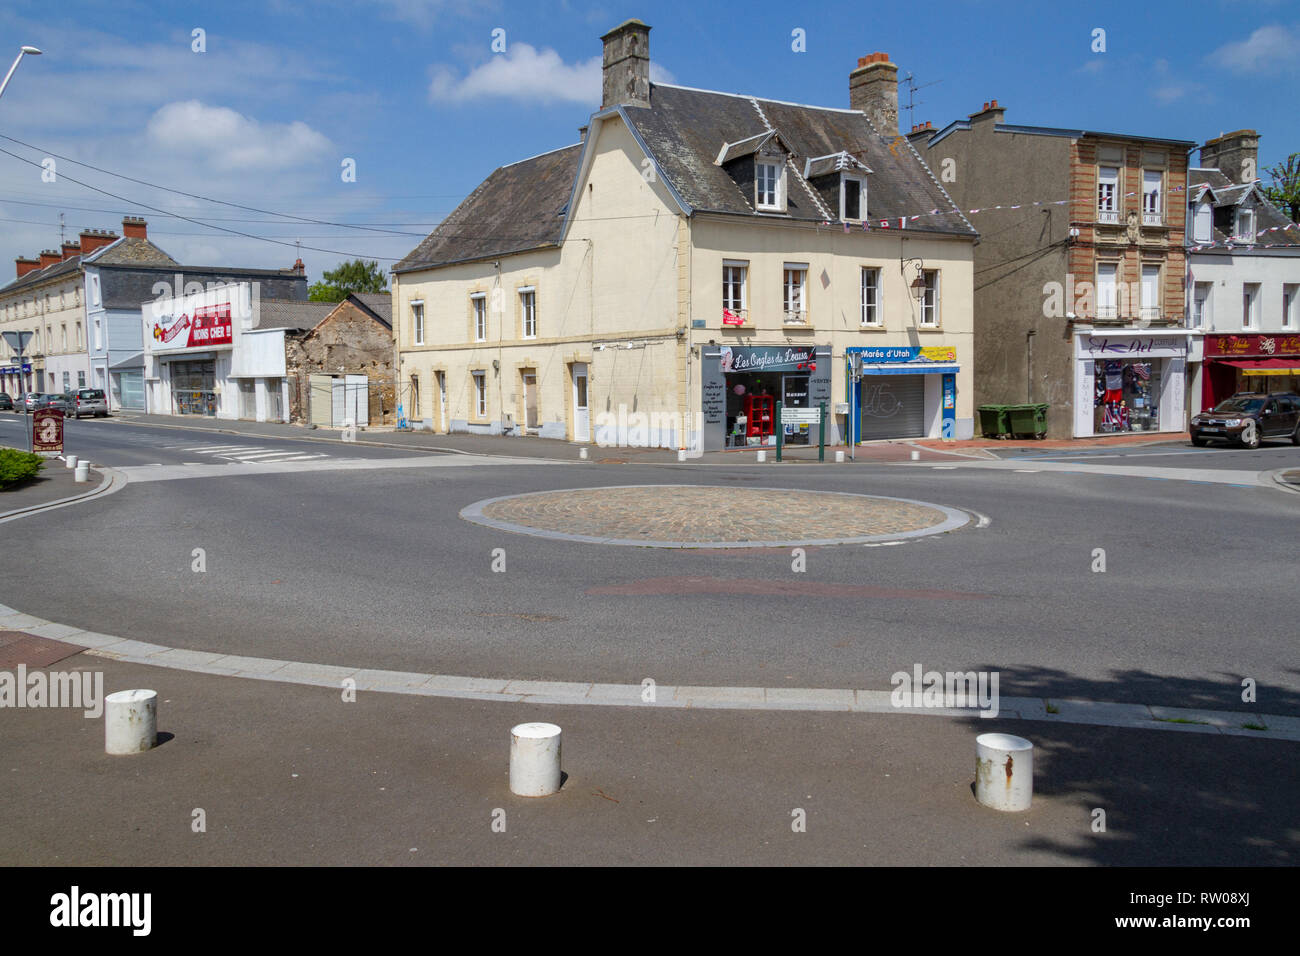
(111, 480)
(1276, 477)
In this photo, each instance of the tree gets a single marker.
(1284, 191)
(358, 275)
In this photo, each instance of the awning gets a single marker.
(1270, 366)
(908, 368)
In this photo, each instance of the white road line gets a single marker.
(249, 456)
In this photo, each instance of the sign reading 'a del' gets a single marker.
(47, 431)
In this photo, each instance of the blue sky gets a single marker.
(413, 92)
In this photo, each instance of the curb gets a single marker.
(110, 481)
(1276, 476)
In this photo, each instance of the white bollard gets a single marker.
(839, 458)
(762, 457)
(1004, 771)
(534, 759)
(83, 471)
(130, 721)
(582, 453)
(916, 456)
(70, 461)
(681, 454)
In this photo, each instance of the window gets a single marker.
(94, 290)
(768, 182)
(1249, 304)
(480, 394)
(480, 317)
(99, 335)
(734, 293)
(1201, 305)
(78, 336)
(1289, 293)
(64, 327)
(1107, 193)
(853, 194)
(417, 323)
(1150, 306)
(930, 298)
(1152, 197)
(81, 379)
(1202, 223)
(1107, 273)
(528, 312)
(67, 382)
(1245, 228)
(794, 301)
(871, 297)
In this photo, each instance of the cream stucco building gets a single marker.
(697, 257)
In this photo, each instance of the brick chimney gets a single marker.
(299, 268)
(92, 239)
(133, 227)
(625, 68)
(49, 257)
(26, 265)
(71, 249)
(873, 89)
(1236, 155)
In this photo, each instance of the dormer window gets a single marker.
(1202, 222)
(1245, 228)
(853, 198)
(769, 185)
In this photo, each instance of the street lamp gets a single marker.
(18, 59)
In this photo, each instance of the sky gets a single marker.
(269, 104)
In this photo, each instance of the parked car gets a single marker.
(28, 400)
(6, 402)
(1249, 417)
(89, 401)
(63, 401)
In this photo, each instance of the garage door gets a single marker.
(892, 406)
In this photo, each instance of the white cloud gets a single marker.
(1264, 49)
(525, 73)
(229, 141)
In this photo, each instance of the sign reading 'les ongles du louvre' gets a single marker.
(205, 327)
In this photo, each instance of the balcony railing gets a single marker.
(1107, 215)
(797, 318)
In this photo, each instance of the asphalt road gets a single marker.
(375, 568)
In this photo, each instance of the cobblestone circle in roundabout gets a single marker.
(710, 516)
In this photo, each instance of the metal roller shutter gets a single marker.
(892, 406)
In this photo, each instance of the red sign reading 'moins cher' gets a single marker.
(208, 326)
(1255, 345)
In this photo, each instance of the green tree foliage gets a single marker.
(1284, 190)
(16, 466)
(355, 276)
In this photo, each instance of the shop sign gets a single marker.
(1138, 346)
(14, 369)
(1235, 345)
(801, 358)
(47, 431)
(205, 327)
(875, 354)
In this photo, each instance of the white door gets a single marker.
(581, 413)
(442, 398)
(357, 404)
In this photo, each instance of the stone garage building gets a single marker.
(342, 368)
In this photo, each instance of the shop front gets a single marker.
(187, 356)
(1249, 363)
(14, 379)
(1129, 381)
(741, 386)
(903, 392)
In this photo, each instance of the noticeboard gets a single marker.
(47, 431)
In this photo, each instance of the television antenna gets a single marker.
(912, 102)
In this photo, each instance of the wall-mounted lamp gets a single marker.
(496, 365)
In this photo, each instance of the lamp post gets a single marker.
(18, 59)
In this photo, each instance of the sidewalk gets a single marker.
(931, 450)
(52, 483)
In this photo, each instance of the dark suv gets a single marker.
(1249, 417)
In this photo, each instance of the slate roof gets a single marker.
(130, 250)
(1226, 194)
(293, 314)
(38, 276)
(380, 303)
(522, 206)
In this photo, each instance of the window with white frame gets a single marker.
(1245, 227)
(930, 298)
(1150, 304)
(479, 303)
(769, 185)
(735, 275)
(78, 336)
(1201, 305)
(794, 293)
(417, 323)
(1249, 305)
(1203, 223)
(1152, 197)
(1107, 276)
(1289, 307)
(871, 314)
(99, 335)
(853, 198)
(1108, 194)
(480, 394)
(528, 312)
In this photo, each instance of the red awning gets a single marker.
(1277, 363)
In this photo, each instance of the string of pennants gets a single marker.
(1248, 241)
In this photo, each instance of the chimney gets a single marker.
(93, 239)
(299, 268)
(133, 227)
(582, 134)
(873, 89)
(26, 265)
(625, 68)
(989, 111)
(49, 257)
(71, 249)
(1233, 154)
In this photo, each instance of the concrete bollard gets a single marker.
(762, 457)
(534, 759)
(83, 471)
(839, 458)
(1004, 771)
(582, 453)
(130, 721)
(681, 454)
(916, 456)
(70, 461)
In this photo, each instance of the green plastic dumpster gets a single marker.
(993, 421)
(1027, 420)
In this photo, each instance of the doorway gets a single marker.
(581, 411)
(530, 400)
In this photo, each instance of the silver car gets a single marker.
(89, 401)
(63, 401)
